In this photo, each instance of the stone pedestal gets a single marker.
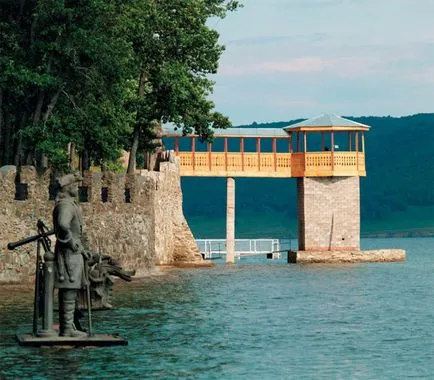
(345, 257)
(328, 213)
(97, 340)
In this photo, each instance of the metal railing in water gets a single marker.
(215, 248)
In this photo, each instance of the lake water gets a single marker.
(258, 319)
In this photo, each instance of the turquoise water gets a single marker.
(258, 319)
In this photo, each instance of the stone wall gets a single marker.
(136, 219)
(328, 213)
(173, 238)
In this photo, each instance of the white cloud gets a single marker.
(341, 66)
(344, 56)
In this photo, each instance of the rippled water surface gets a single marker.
(258, 319)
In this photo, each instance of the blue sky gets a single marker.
(289, 59)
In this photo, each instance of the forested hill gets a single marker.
(397, 196)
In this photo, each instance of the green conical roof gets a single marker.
(327, 121)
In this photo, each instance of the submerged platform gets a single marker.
(345, 257)
(97, 340)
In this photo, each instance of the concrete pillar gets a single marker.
(230, 221)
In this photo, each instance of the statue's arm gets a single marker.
(63, 223)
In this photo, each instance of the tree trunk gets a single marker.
(151, 158)
(71, 154)
(51, 105)
(1, 124)
(19, 152)
(22, 4)
(147, 160)
(30, 158)
(37, 160)
(133, 152)
(42, 163)
(7, 144)
(136, 136)
(85, 163)
(43, 159)
(38, 110)
(18, 157)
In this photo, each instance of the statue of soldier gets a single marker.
(70, 271)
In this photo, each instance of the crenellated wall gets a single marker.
(137, 219)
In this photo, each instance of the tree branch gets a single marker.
(51, 105)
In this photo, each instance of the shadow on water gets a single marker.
(256, 319)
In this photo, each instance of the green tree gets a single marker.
(175, 52)
(63, 79)
(97, 75)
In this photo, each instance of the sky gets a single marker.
(288, 59)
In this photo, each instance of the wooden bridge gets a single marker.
(325, 146)
(291, 152)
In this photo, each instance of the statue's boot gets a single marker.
(66, 318)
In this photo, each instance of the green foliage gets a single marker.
(175, 51)
(115, 166)
(92, 72)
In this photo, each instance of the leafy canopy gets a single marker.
(100, 75)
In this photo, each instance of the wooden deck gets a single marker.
(272, 165)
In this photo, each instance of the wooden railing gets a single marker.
(217, 164)
(324, 164)
(278, 165)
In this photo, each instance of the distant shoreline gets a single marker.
(274, 226)
(370, 235)
(400, 234)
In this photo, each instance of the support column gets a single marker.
(193, 150)
(230, 221)
(226, 153)
(209, 148)
(258, 150)
(176, 145)
(274, 153)
(242, 153)
(333, 150)
(357, 150)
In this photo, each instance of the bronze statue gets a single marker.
(69, 253)
(101, 268)
(72, 269)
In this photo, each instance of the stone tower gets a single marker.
(328, 160)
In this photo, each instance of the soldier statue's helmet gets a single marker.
(68, 179)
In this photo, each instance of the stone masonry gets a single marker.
(328, 213)
(137, 219)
